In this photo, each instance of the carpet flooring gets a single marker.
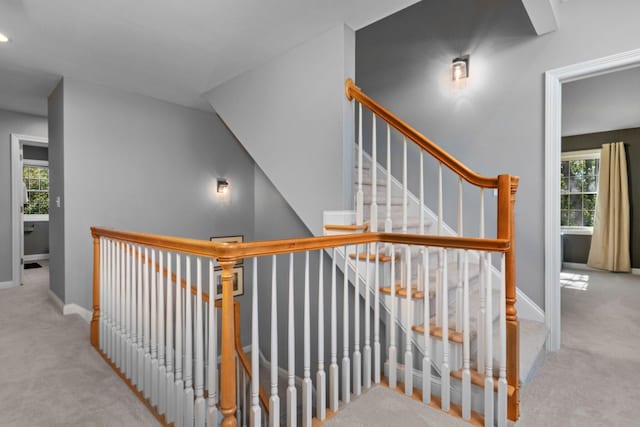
(49, 373)
(594, 380)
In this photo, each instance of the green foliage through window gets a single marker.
(578, 191)
(36, 178)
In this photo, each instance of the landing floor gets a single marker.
(49, 373)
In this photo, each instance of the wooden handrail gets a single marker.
(354, 92)
(235, 251)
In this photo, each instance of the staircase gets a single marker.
(444, 301)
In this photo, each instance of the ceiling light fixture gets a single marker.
(3, 38)
(460, 68)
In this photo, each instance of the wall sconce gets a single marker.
(460, 68)
(223, 185)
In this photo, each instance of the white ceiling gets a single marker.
(602, 103)
(173, 50)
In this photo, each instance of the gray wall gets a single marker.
(36, 237)
(56, 189)
(135, 163)
(293, 118)
(494, 121)
(576, 248)
(11, 122)
(601, 103)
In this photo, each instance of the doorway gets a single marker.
(554, 80)
(30, 200)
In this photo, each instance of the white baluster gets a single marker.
(366, 351)
(127, 310)
(373, 217)
(179, 384)
(134, 306)
(292, 412)
(274, 399)
(439, 282)
(255, 345)
(147, 327)
(426, 320)
(480, 320)
(321, 380)
(123, 309)
(405, 190)
(169, 376)
(333, 363)
(421, 193)
(445, 369)
(502, 382)
(212, 373)
(408, 354)
(357, 357)
(466, 373)
(200, 409)
(188, 349)
(114, 302)
(154, 330)
(140, 317)
(393, 356)
(102, 288)
(346, 368)
(459, 292)
(107, 298)
(162, 369)
(360, 193)
(388, 225)
(118, 307)
(376, 317)
(488, 380)
(306, 378)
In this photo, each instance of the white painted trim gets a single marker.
(32, 162)
(553, 129)
(527, 309)
(7, 285)
(77, 309)
(18, 140)
(35, 218)
(36, 257)
(67, 309)
(635, 271)
(56, 301)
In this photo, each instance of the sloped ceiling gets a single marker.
(174, 50)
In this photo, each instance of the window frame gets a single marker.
(36, 217)
(591, 154)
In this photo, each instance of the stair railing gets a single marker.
(506, 186)
(162, 339)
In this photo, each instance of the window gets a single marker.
(36, 179)
(579, 172)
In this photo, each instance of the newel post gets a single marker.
(227, 365)
(95, 320)
(507, 187)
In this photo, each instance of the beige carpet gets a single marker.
(595, 379)
(49, 373)
(383, 407)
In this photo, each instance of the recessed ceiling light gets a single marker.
(3, 38)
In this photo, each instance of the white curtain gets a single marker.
(610, 241)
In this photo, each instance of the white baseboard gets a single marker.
(36, 257)
(7, 285)
(579, 266)
(527, 309)
(67, 309)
